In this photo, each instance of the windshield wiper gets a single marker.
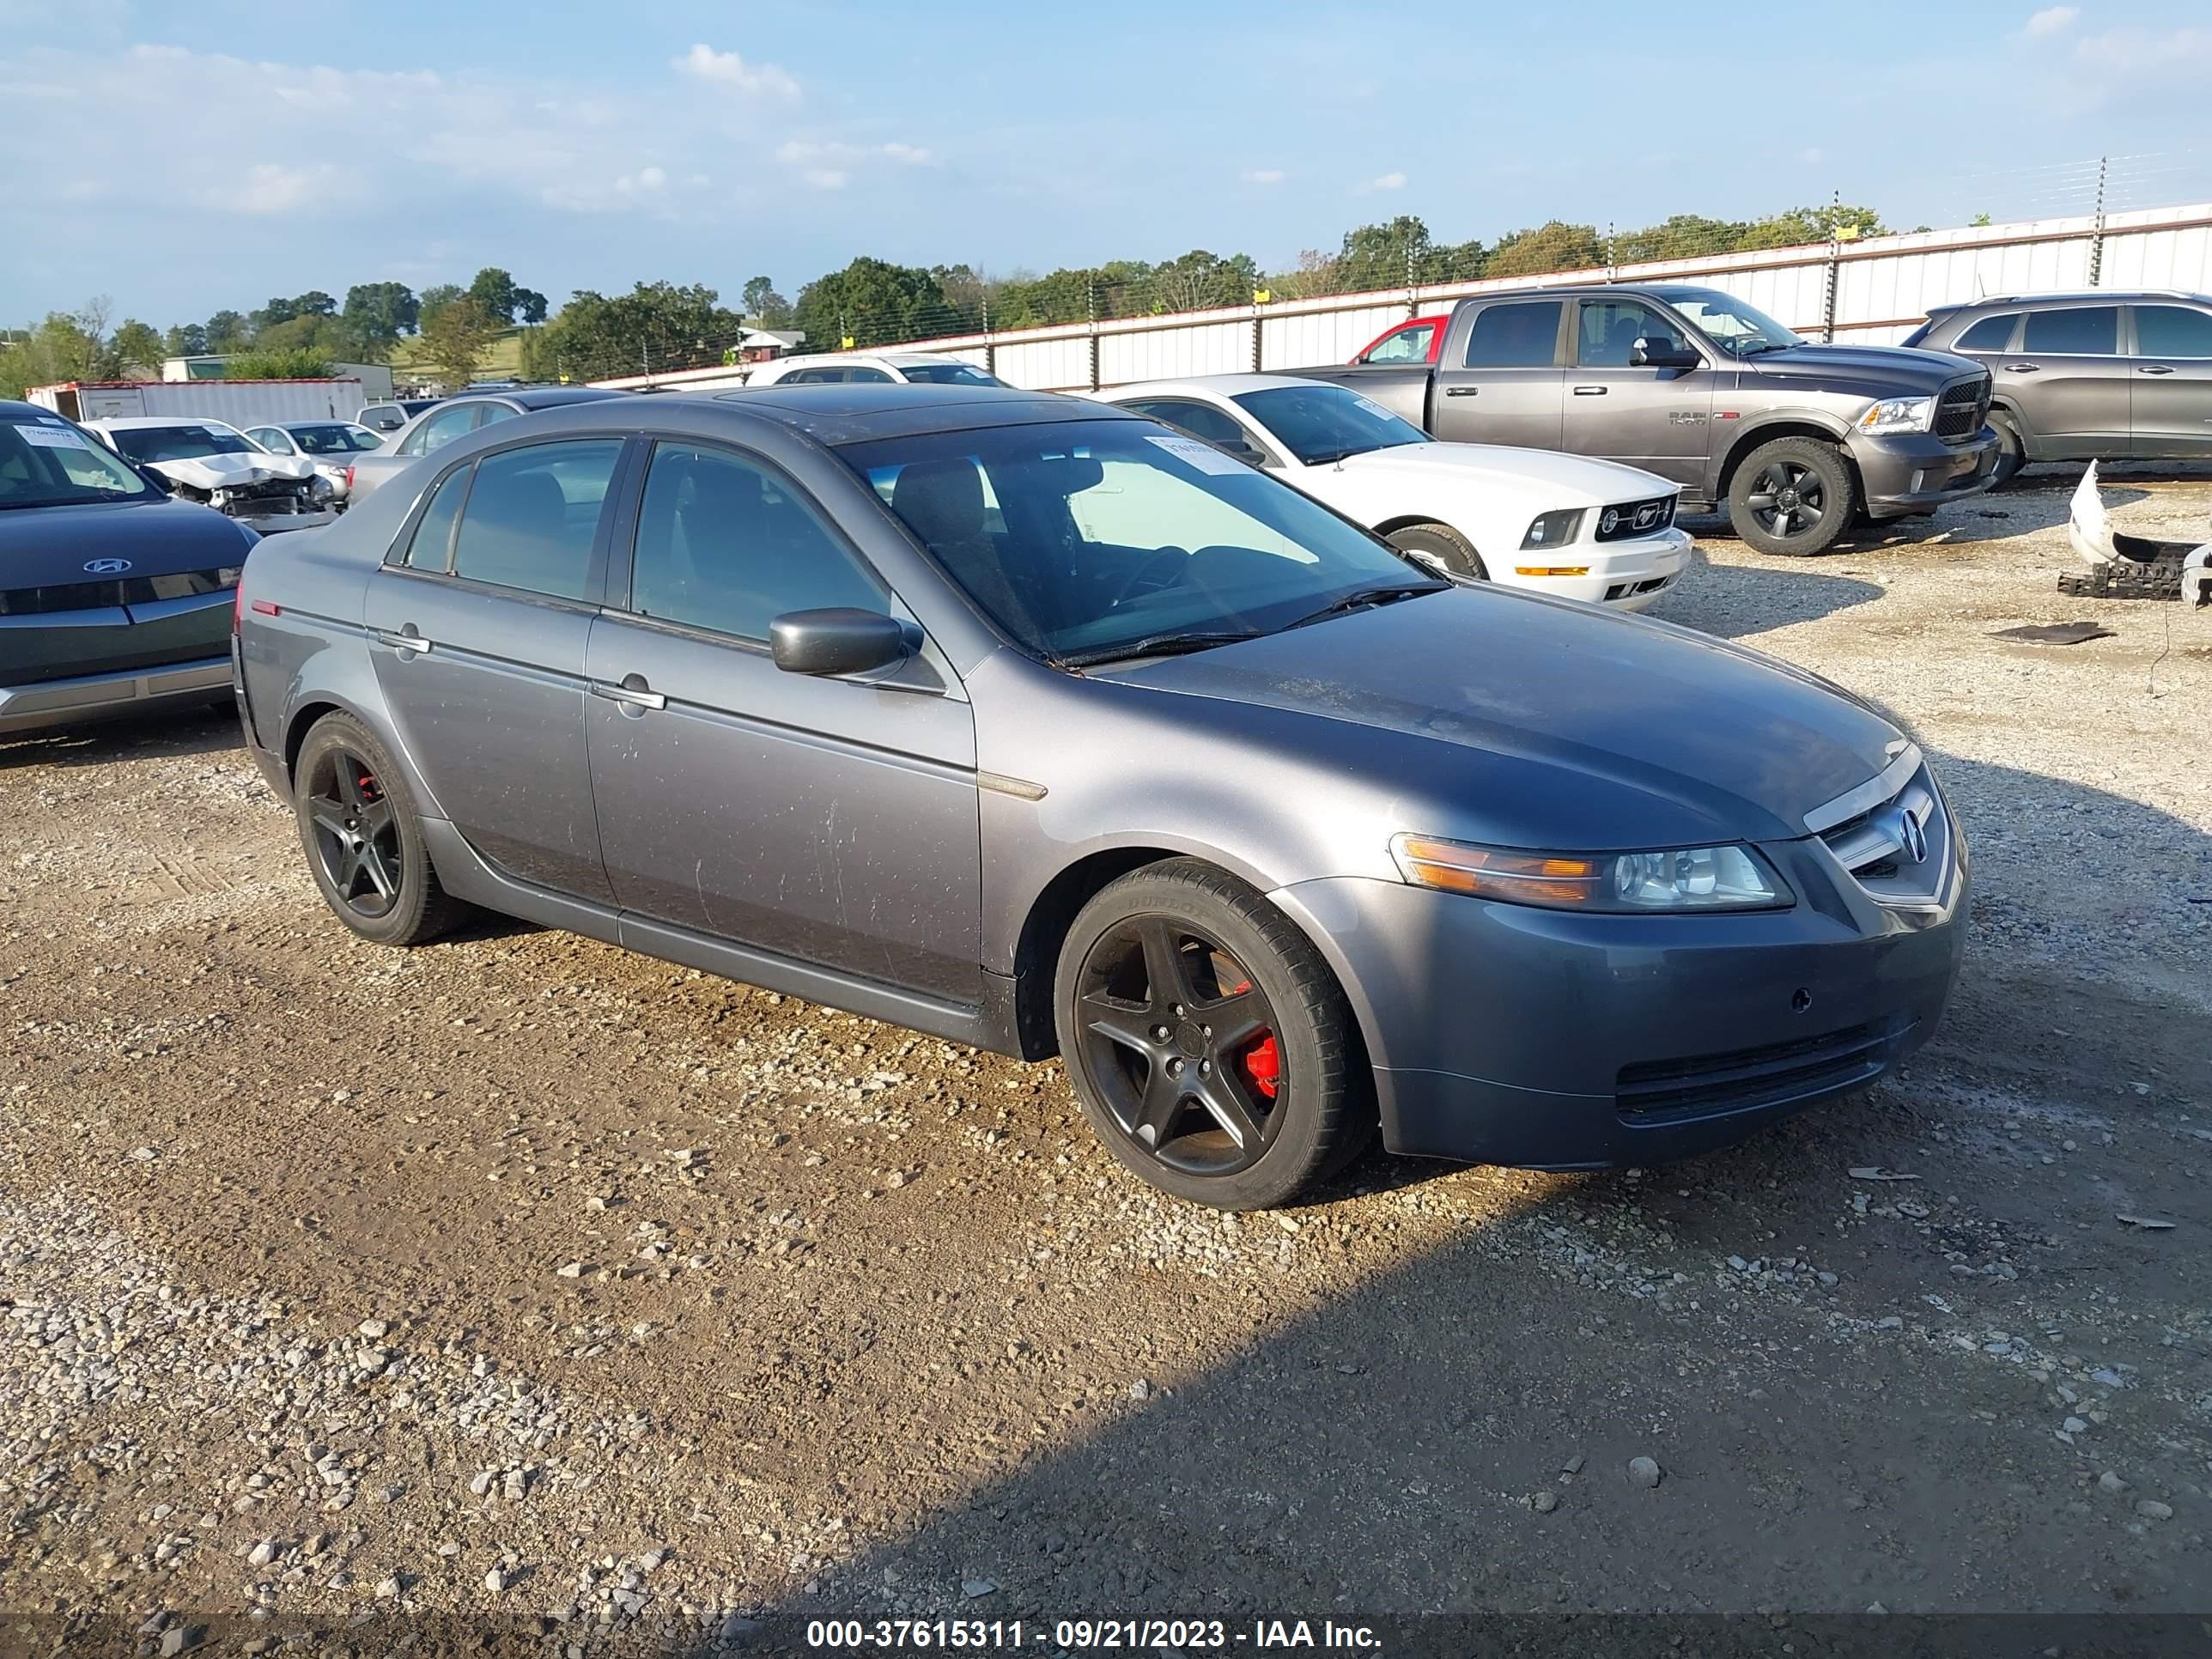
(1758, 346)
(1159, 644)
(1362, 598)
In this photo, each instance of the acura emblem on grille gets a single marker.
(1914, 838)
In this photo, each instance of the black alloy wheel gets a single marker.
(1180, 1043)
(1793, 496)
(1787, 499)
(356, 833)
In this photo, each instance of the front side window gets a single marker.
(180, 443)
(2172, 331)
(1989, 334)
(1320, 424)
(534, 514)
(871, 376)
(271, 440)
(1118, 538)
(1200, 420)
(432, 545)
(1607, 331)
(52, 464)
(335, 439)
(2077, 331)
(1523, 335)
(725, 543)
(1409, 345)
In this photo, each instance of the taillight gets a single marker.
(238, 607)
(349, 479)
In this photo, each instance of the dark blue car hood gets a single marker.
(50, 546)
(1558, 720)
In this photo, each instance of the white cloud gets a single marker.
(2129, 64)
(1262, 176)
(1388, 181)
(2052, 20)
(825, 178)
(727, 69)
(268, 188)
(830, 165)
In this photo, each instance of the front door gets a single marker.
(2073, 383)
(477, 632)
(830, 821)
(1653, 418)
(1500, 381)
(2170, 389)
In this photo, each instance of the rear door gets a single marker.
(2073, 383)
(2170, 387)
(1653, 418)
(478, 628)
(1500, 379)
(832, 821)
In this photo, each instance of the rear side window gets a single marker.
(872, 376)
(1525, 335)
(1409, 345)
(434, 531)
(1989, 334)
(2172, 331)
(2082, 331)
(533, 515)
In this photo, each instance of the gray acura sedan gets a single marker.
(1044, 727)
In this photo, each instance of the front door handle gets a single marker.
(632, 689)
(2022, 369)
(1462, 391)
(2154, 368)
(1589, 392)
(407, 640)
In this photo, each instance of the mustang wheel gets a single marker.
(1209, 1044)
(1441, 548)
(1795, 496)
(363, 845)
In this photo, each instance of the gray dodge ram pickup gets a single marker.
(1798, 440)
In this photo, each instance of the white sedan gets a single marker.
(330, 445)
(1564, 525)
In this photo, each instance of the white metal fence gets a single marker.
(1875, 291)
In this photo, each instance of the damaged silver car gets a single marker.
(217, 464)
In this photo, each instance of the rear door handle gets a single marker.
(2022, 369)
(1462, 391)
(630, 693)
(1589, 392)
(2154, 368)
(407, 640)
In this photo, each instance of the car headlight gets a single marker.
(1676, 878)
(228, 575)
(321, 488)
(1898, 415)
(1554, 529)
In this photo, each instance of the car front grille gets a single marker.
(1900, 849)
(1962, 408)
(1655, 1093)
(1630, 519)
(109, 594)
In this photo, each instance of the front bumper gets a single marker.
(1507, 1033)
(49, 703)
(1918, 471)
(1624, 575)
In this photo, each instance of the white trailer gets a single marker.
(240, 403)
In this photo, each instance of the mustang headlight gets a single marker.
(1898, 415)
(1554, 529)
(1677, 879)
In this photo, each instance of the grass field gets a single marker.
(502, 362)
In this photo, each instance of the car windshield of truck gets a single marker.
(1739, 329)
(1319, 424)
(1090, 541)
(947, 375)
(178, 443)
(49, 463)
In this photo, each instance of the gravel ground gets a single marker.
(530, 1285)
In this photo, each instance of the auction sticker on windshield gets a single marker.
(1373, 408)
(52, 437)
(1203, 456)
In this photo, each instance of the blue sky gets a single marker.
(178, 158)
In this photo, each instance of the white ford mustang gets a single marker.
(1564, 525)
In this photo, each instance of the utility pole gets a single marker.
(1090, 290)
(1835, 267)
(2097, 235)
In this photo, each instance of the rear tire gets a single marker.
(1441, 547)
(1793, 497)
(2012, 453)
(1261, 1086)
(364, 846)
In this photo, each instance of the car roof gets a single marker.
(1220, 385)
(2074, 297)
(537, 397)
(146, 423)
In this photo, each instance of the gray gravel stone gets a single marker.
(1642, 1471)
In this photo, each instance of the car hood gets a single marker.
(1547, 724)
(50, 546)
(230, 471)
(1567, 480)
(1886, 369)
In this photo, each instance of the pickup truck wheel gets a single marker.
(1442, 547)
(1794, 496)
(2012, 453)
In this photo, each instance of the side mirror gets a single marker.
(1662, 354)
(839, 640)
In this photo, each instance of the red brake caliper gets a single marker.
(1263, 1061)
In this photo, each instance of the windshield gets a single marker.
(947, 375)
(179, 443)
(1739, 329)
(1085, 540)
(49, 463)
(332, 440)
(1319, 424)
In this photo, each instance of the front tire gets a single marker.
(1442, 548)
(1207, 1041)
(2012, 453)
(364, 846)
(1793, 497)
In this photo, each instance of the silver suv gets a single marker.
(2092, 376)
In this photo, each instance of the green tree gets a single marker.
(1200, 281)
(764, 305)
(502, 301)
(68, 345)
(1802, 225)
(1550, 247)
(1388, 256)
(377, 314)
(225, 331)
(655, 326)
(184, 340)
(435, 299)
(1685, 235)
(456, 340)
(294, 363)
(1064, 295)
(137, 348)
(872, 301)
